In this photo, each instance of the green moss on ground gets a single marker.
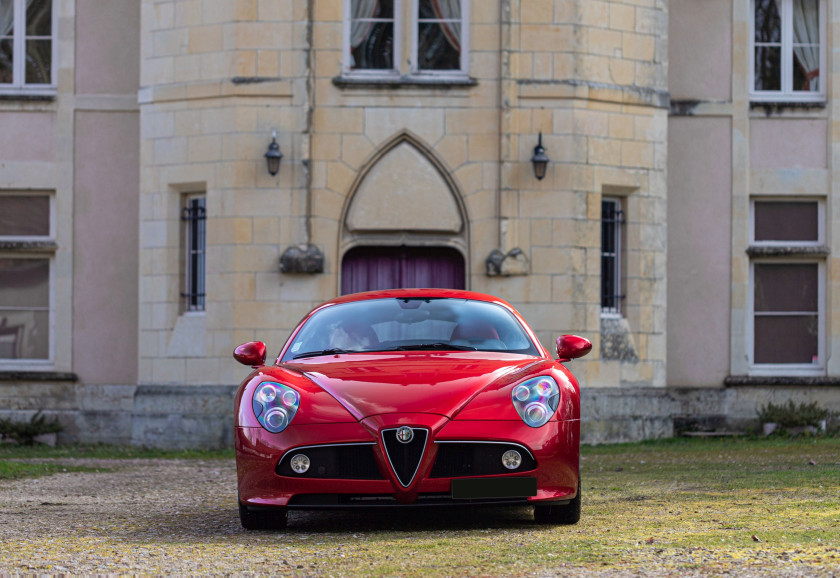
(107, 452)
(11, 470)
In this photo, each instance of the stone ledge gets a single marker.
(24, 97)
(234, 87)
(29, 246)
(690, 107)
(188, 390)
(804, 380)
(787, 251)
(406, 81)
(586, 90)
(38, 376)
(770, 108)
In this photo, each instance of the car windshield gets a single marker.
(410, 325)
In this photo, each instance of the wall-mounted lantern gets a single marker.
(539, 160)
(273, 155)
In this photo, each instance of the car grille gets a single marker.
(462, 459)
(405, 457)
(338, 501)
(343, 462)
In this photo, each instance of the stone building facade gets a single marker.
(407, 130)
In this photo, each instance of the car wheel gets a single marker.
(273, 519)
(565, 514)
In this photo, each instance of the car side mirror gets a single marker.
(572, 347)
(251, 353)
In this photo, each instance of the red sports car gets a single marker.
(409, 397)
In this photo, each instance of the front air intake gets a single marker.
(405, 456)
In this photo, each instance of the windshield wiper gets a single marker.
(322, 352)
(434, 346)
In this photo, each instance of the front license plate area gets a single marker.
(481, 488)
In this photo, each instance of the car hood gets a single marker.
(442, 383)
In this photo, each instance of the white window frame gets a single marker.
(400, 46)
(788, 369)
(346, 56)
(465, 43)
(19, 86)
(9, 363)
(615, 312)
(820, 222)
(787, 94)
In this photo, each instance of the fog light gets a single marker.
(511, 459)
(299, 464)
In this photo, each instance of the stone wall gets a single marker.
(430, 163)
(201, 417)
(217, 78)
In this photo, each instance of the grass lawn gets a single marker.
(707, 507)
(10, 470)
(40, 460)
(712, 504)
(106, 452)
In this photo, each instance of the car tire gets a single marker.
(273, 519)
(565, 514)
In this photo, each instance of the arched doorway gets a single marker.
(404, 222)
(374, 268)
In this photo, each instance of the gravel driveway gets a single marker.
(137, 517)
(180, 517)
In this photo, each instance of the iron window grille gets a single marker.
(194, 216)
(612, 226)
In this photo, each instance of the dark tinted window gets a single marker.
(786, 221)
(24, 215)
(786, 313)
(387, 324)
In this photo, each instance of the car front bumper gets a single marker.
(554, 447)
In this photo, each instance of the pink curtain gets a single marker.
(450, 10)
(7, 16)
(373, 268)
(806, 30)
(360, 30)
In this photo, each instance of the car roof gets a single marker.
(417, 293)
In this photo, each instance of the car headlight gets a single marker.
(275, 405)
(536, 400)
